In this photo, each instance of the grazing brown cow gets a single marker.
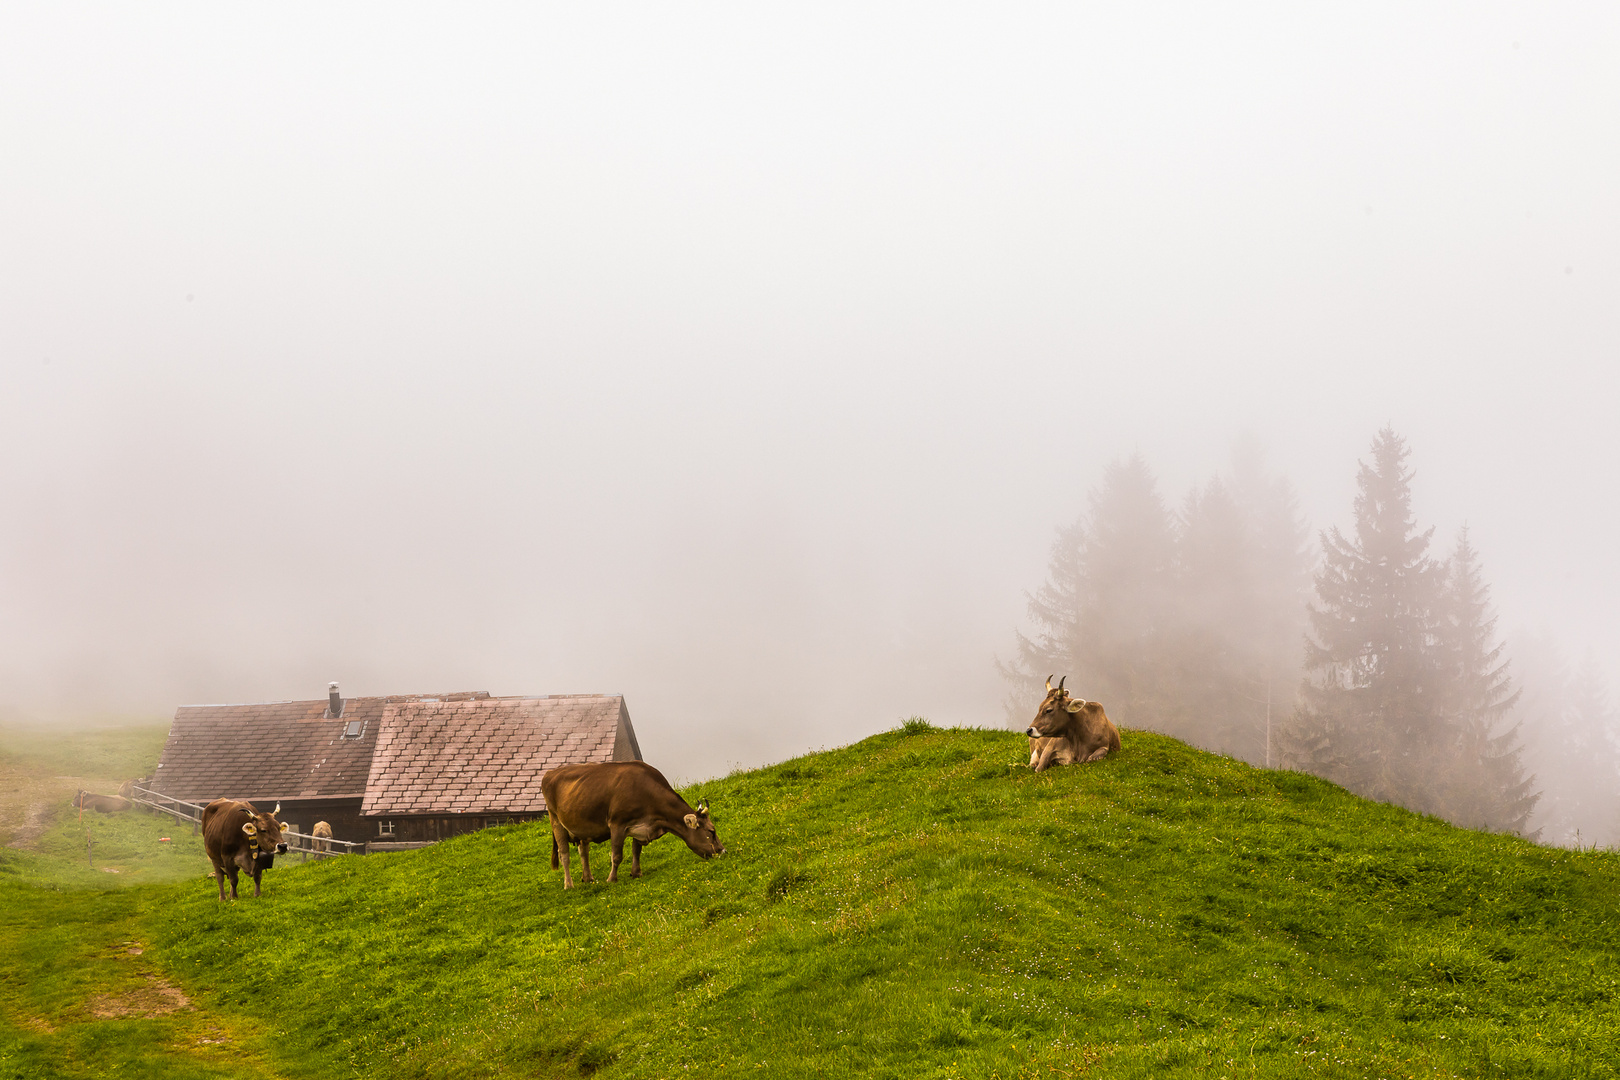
(238, 837)
(106, 804)
(322, 832)
(610, 800)
(1069, 731)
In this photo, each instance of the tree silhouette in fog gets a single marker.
(1241, 571)
(1181, 623)
(1101, 615)
(1577, 746)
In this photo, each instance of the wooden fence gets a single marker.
(298, 843)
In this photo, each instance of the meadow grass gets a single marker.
(85, 849)
(920, 904)
(115, 753)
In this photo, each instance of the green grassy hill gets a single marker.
(914, 905)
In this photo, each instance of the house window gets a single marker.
(385, 828)
(353, 728)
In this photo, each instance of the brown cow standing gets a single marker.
(610, 800)
(322, 832)
(1069, 731)
(238, 837)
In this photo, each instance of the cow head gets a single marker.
(264, 832)
(700, 835)
(1054, 711)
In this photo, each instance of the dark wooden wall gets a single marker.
(417, 829)
(342, 814)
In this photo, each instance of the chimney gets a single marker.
(334, 703)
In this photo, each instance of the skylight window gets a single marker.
(353, 728)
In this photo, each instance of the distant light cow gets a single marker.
(610, 800)
(237, 837)
(1069, 731)
(106, 804)
(322, 832)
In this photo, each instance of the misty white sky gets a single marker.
(744, 360)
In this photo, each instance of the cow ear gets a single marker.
(691, 821)
(1076, 705)
(250, 828)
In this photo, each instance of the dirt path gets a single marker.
(28, 803)
(35, 818)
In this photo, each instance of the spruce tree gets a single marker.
(1233, 654)
(1180, 624)
(1208, 644)
(1371, 714)
(1101, 615)
(1279, 545)
(1590, 785)
(1484, 783)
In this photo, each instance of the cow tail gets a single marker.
(554, 862)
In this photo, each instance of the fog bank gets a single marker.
(746, 362)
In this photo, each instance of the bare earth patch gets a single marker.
(157, 998)
(27, 802)
(34, 822)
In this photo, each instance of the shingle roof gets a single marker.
(487, 755)
(416, 753)
(274, 750)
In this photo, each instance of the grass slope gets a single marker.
(919, 905)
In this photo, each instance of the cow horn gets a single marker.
(1061, 682)
(277, 810)
(1049, 683)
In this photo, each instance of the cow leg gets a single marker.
(1047, 753)
(1098, 754)
(635, 857)
(231, 870)
(561, 844)
(219, 876)
(616, 843)
(585, 861)
(256, 873)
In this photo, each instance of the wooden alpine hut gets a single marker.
(392, 771)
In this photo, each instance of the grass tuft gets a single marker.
(785, 881)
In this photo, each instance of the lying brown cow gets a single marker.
(238, 837)
(106, 804)
(610, 800)
(322, 832)
(1069, 731)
